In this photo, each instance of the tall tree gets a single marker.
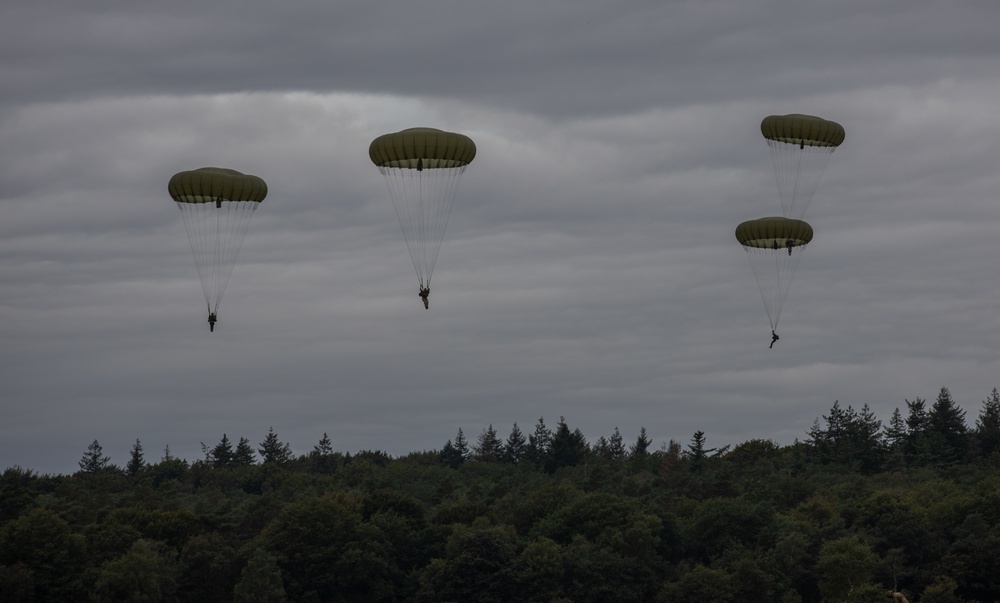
(221, 455)
(516, 446)
(697, 452)
(136, 461)
(538, 443)
(640, 449)
(946, 421)
(616, 446)
(568, 448)
(450, 455)
(489, 446)
(274, 451)
(462, 445)
(324, 447)
(244, 455)
(988, 425)
(93, 460)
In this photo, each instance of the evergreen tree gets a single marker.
(538, 443)
(244, 455)
(894, 434)
(516, 446)
(166, 453)
(136, 461)
(601, 448)
(322, 456)
(221, 455)
(988, 425)
(93, 460)
(616, 446)
(640, 449)
(324, 447)
(273, 450)
(450, 455)
(462, 445)
(489, 447)
(918, 432)
(567, 449)
(946, 421)
(697, 452)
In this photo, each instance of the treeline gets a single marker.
(853, 511)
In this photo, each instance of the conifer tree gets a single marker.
(515, 448)
(93, 460)
(601, 448)
(616, 446)
(450, 455)
(136, 461)
(946, 421)
(988, 425)
(489, 447)
(244, 454)
(538, 443)
(221, 455)
(640, 449)
(324, 447)
(166, 453)
(462, 445)
(273, 450)
(567, 448)
(697, 452)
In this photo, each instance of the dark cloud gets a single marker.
(589, 269)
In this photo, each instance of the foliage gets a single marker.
(854, 510)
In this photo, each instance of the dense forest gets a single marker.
(856, 511)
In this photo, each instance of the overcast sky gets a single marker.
(589, 269)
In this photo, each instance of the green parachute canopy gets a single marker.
(800, 146)
(216, 205)
(422, 168)
(774, 246)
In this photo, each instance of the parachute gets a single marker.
(774, 246)
(422, 168)
(801, 146)
(216, 205)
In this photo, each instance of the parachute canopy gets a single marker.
(422, 168)
(800, 146)
(774, 246)
(216, 205)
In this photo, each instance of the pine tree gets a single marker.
(221, 455)
(697, 453)
(567, 449)
(489, 447)
(894, 434)
(988, 425)
(93, 460)
(516, 446)
(273, 450)
(462, 445)
(601, 448)
(640, 449)
(538, 443)
(918, 432)
(136, 461)
(450, 455)
(946, 421)
(324, 447)
(616, 446)
(166, 453)
(244, 455)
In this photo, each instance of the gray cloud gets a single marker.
(589, 269)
